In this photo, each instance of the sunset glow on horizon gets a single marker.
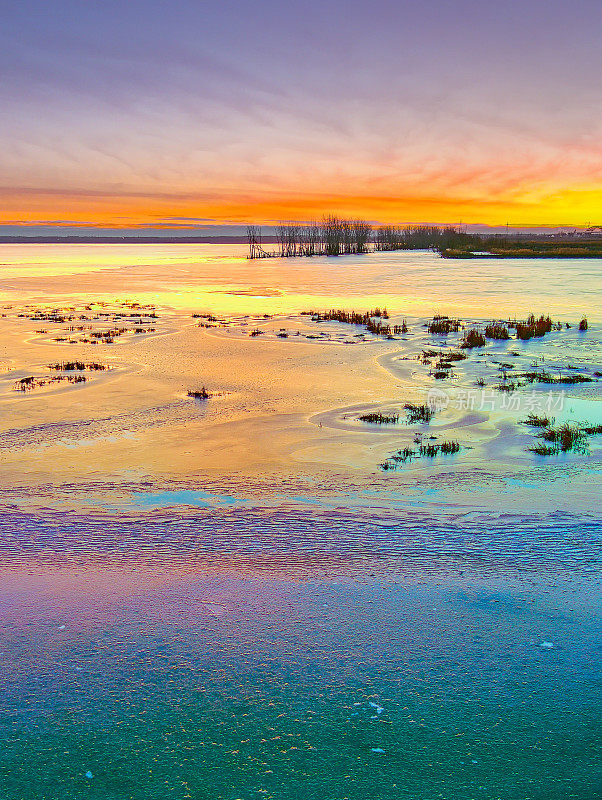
(184, 115)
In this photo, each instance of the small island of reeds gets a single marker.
(199, 394)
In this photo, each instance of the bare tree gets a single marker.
(332, 234)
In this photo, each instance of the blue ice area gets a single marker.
(578, 409)
(181, 497)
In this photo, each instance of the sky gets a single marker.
(196, 113)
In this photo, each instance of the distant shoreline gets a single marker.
(130, 240)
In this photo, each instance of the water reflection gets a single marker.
(219, 278)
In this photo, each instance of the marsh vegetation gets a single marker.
(66, 366)
(566, 438)
(441, 324)
(533, 327)
(523, 246)
(83, 324)
(369, 320)
(535, 421)
(496, 330)
(424, 450)
(199, 394)
(473, 338)
(376, 418)
(32, 382)
(418, 413)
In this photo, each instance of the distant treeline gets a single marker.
(335, 236)
(418, 237)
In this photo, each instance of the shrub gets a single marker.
(454, 355)
(449, 447)
(404, 455)
(496, 331)
(538, 422)
(425, 450)
(418, 413)
(543, 450)
(380, 419)
(566, 438)
(533, 327)
(67, 366)
(547, 377)
(443, 325)
(473, 338)
(202, 394)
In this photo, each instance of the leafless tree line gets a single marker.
(334, 236)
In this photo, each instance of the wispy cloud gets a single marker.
(193, 112)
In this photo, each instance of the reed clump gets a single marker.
(543, 376)
(67, 366)
(365, 319)
(31, 382)
(473, 338)
(533, 327)
(445, 358)
(105, 337)
(426, 355)
(425, 450)
(376, 418)
(496, 330)
(454, 355)
(536, 421)
(448, 448)
(441, 324)
(200, 394)
(418, 413)
(566, 438)
(543, 450)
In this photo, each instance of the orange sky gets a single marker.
(143, 114)
(574, 206)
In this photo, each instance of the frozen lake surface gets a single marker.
(231, 598)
